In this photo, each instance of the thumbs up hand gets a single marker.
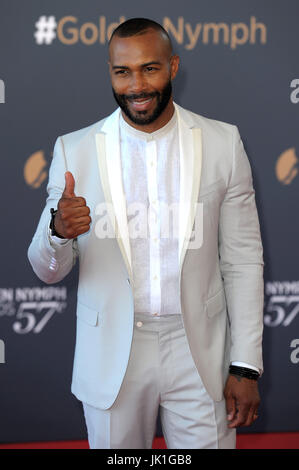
(72, 217)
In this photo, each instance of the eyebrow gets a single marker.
(142, 65)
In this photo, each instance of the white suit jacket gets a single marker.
(221, 282)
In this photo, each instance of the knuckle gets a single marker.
(62, 214)
(246, 402)
(83, 230)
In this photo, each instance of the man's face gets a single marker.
(141, 70)
(137, 106)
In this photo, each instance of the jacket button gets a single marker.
(139, 324)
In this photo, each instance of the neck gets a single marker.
(161, 121)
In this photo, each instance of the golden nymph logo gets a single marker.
(35, 169)
(286, 168)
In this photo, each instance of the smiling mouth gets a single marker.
(141, 104)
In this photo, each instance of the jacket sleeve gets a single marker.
(241, 260)
(51, 261)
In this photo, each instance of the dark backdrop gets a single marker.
(239, 63)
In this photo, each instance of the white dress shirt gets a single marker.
(150, 169)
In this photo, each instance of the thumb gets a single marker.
(69, 185)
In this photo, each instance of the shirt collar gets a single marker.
(126, 128)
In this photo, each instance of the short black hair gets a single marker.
(135, 26)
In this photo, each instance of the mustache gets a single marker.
(139, 96)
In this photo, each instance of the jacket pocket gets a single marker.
(215, 304)
(87, 314)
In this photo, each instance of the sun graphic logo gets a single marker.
(36, 169)
(287, 166)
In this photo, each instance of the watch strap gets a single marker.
(52, 226)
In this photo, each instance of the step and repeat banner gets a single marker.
(239, 64)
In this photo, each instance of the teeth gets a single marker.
(142, 102)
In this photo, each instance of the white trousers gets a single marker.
(160, 373)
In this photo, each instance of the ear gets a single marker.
(174, 65)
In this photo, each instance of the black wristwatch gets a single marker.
(52, 227)
(244, 372)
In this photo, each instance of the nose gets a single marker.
(137, 84)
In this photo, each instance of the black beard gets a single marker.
(163, 98)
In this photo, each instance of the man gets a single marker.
(163, 321)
